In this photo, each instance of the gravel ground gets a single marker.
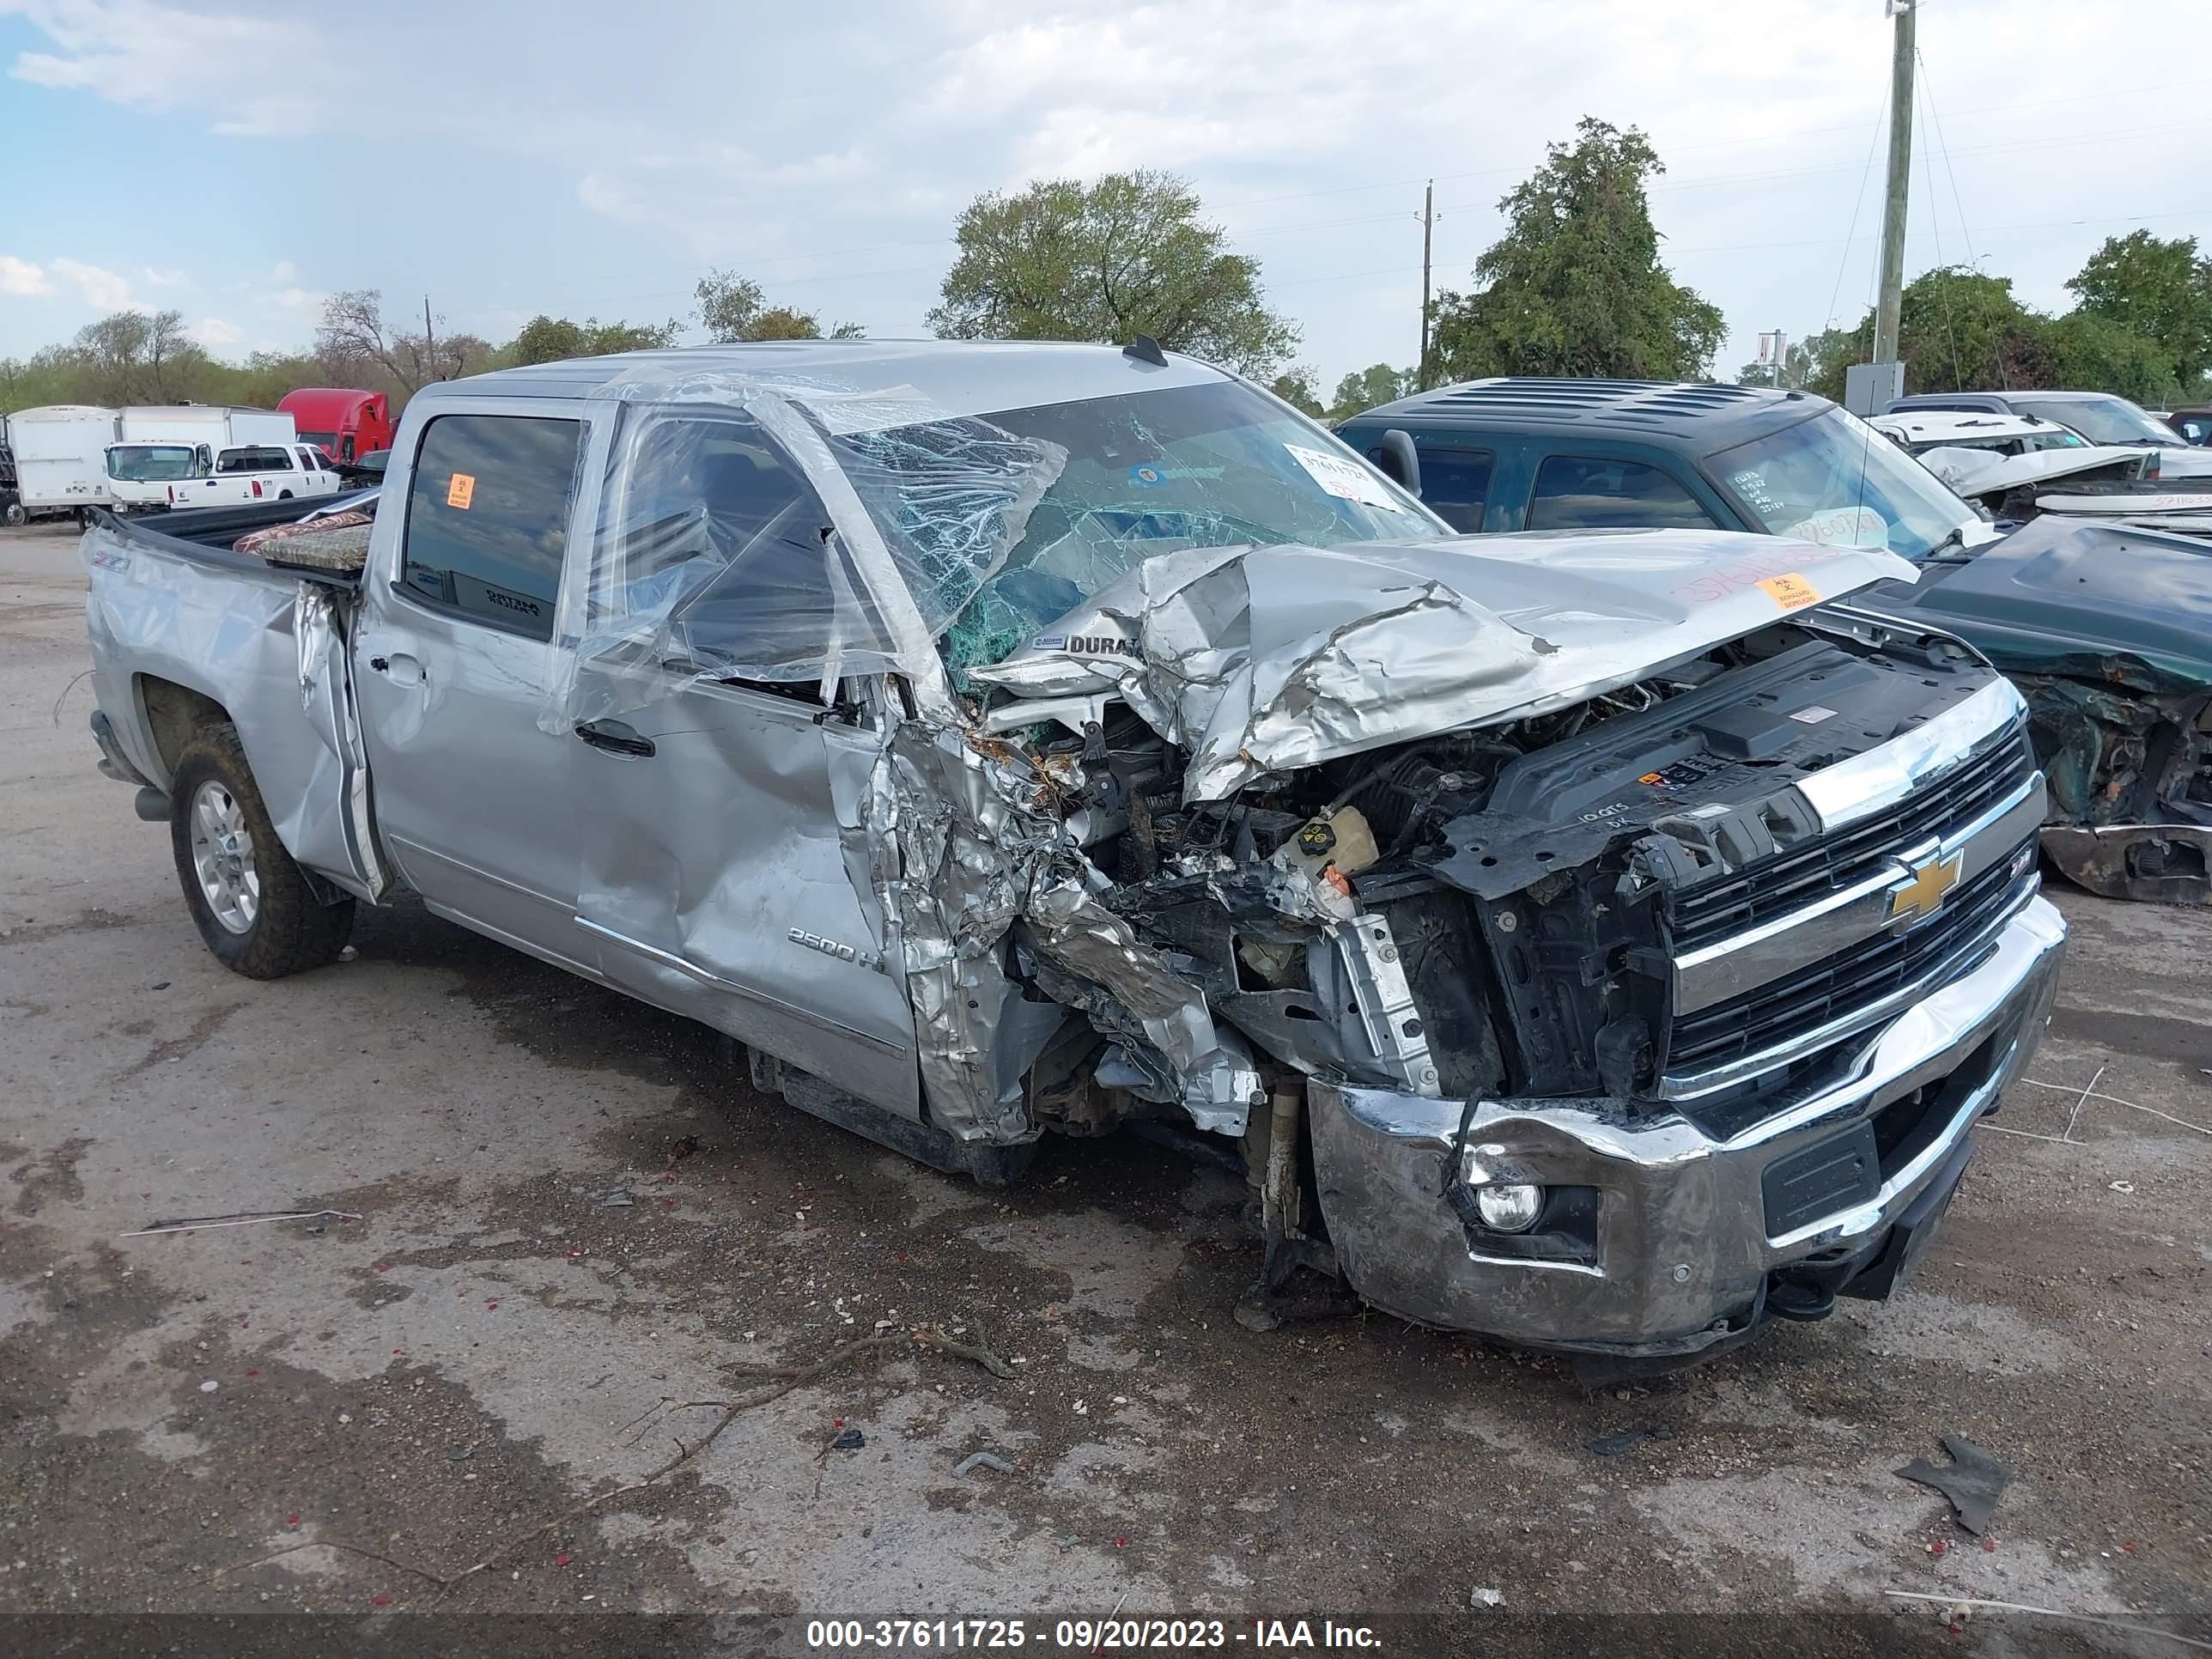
(494, 1342)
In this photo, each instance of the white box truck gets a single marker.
(61, 457)
(162, 445)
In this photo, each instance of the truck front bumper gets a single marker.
(1663, 1238)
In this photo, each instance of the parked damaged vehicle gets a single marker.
(2105, 626)
(1603, 941)
(2109, 650)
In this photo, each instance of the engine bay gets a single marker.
(1479, 912)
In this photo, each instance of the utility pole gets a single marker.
(1891, 299)
(429, 342)
(1428, 243)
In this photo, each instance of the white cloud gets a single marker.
(20, 276)
(216, 332)
(156, 278)
(260, 76)
(101, 290)
(1308, 126)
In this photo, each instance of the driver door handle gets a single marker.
(615, 737)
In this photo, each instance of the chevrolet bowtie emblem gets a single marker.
(1921, 894)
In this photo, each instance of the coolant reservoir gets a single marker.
(1341, 839)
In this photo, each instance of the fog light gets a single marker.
(1509, 1209)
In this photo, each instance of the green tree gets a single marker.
(2161, 291)
(2095, 353)
(1295, 386)
(1128, 255)
(1958, 329)
(732, 308)
(1378, 383)
(1574, 286)
(545, 339)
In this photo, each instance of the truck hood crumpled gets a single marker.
(1271, 659)
(1984, 471)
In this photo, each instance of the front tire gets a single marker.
(252, 903)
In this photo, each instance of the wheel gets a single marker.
(15, 515)
(251, 902)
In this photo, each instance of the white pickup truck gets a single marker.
(258, 472)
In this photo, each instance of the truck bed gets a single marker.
(210, 536)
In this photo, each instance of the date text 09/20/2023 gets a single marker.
(1109, 1635)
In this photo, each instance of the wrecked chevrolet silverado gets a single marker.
(1603, 941)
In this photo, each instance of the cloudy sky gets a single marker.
(238, 159)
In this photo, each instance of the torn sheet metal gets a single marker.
(980, 848)
(1267, 660)
(1981, 472)
(319, 625)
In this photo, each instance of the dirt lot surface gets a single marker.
(494, 1341)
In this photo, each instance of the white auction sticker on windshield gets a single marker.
(1343, 478)
(1842, 526)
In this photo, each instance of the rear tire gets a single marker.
(253, 907)
(283, 495)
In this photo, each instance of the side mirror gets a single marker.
(1399, 459)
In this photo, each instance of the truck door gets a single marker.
(715, 878)
(473, 800)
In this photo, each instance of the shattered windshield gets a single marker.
(1835, 480)
(149, 462)
(1151, 472)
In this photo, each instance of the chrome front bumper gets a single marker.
(1681, 1256)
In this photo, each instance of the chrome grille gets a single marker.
(1744, 899)
(1854, 978)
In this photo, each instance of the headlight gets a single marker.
(1511, 1209)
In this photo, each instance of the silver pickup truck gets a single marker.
(1605, 941)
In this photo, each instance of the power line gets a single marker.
(1858, 200)
(1928, 97)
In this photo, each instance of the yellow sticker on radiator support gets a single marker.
(1791, 593)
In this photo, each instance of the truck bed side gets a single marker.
(178, 624)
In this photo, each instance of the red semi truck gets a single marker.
(344, 424)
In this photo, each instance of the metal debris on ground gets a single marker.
(851, 1440)
(616, 1199)
(1612, 1446)
(240, 1218)
(1486, 1598)
(981, 1459)
(1972, 1481)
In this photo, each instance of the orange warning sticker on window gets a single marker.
(1791, 593)
(463, 490)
